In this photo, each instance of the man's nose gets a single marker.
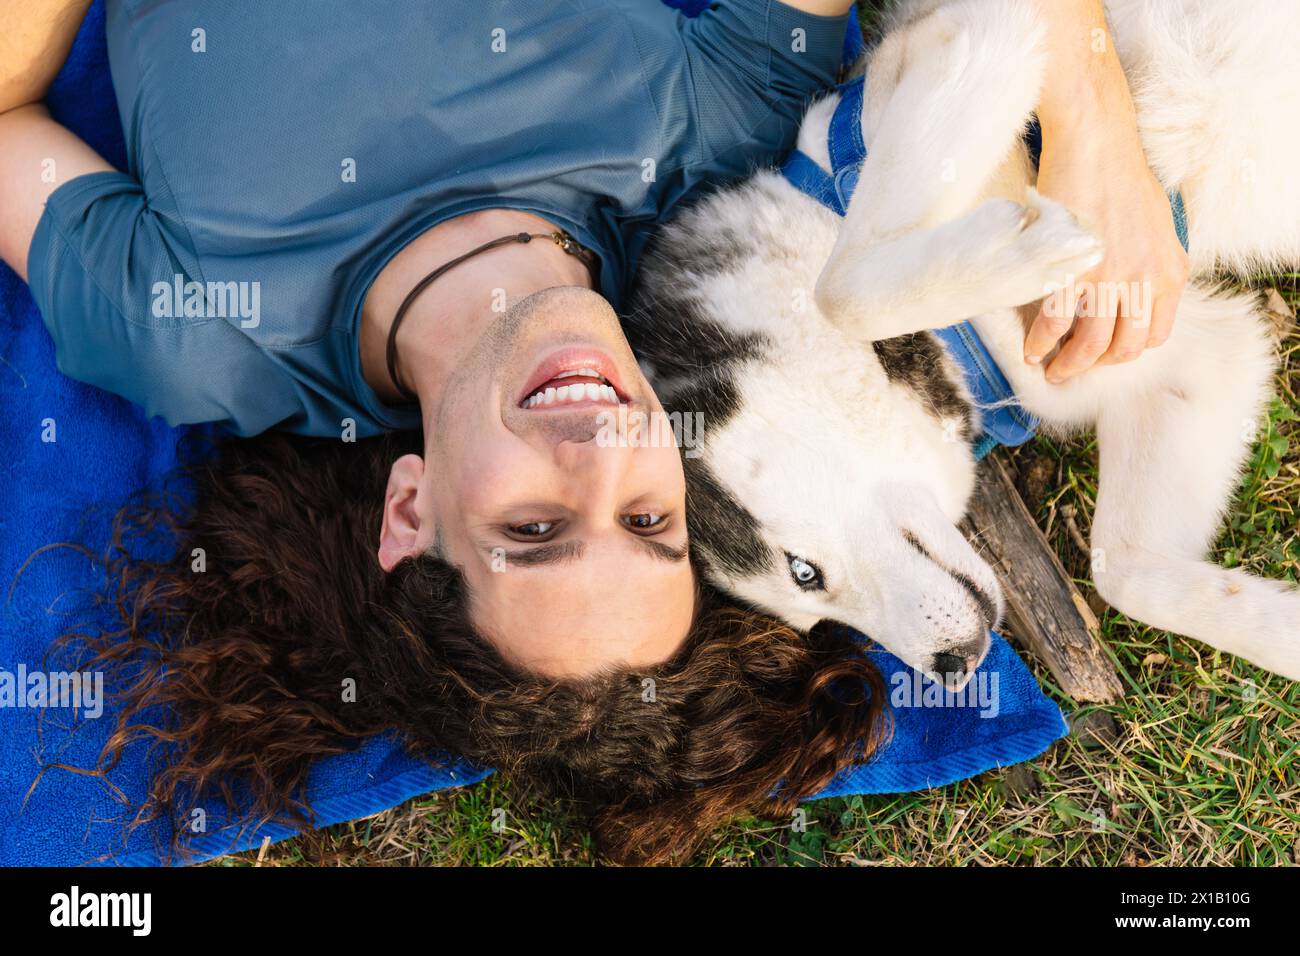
(595, 466)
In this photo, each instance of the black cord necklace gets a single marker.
(559, 237)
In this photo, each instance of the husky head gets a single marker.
(829, 487)
(826, 476)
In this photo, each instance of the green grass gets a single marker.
(1198, 764)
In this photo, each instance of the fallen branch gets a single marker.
(1045, 611)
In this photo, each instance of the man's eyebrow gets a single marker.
(662, 551)
(544, 554)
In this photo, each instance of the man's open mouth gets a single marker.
(571, 388)
(569, 380)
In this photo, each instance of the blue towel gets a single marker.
(104, 450)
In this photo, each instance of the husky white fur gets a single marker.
(835, 460)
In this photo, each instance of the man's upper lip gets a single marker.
(569, 360)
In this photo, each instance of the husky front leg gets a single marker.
(1001, 255)
(960, 84)
(968, 78)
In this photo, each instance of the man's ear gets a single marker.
(400, 536)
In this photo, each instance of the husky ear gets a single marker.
(724, 535)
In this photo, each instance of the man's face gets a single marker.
(572, 541)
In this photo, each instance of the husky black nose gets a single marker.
(957, 660)
(949, 664)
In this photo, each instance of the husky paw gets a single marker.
(1036, 248)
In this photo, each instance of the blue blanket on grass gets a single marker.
(103, 450)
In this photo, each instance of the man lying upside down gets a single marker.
(420, 225)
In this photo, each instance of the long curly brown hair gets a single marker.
(247, 657)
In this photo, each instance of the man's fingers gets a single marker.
(1115, 322)
(1132, 326)
(1055, 316)
(1092, 336)
(1162, 318)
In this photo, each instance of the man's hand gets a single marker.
(1093, 162)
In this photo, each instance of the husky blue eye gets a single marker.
(805, 574)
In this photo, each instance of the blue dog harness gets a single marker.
(1003, 419)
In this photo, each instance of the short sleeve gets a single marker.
(99, 264)
(754, 66)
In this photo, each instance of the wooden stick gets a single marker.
(1045, 611)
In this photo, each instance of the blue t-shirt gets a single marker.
(280, 154)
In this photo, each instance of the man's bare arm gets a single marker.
(35, 37)
(37, 155)
(1093, 163)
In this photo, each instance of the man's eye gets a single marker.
(533, 529)
(806, 574)
(646, 521)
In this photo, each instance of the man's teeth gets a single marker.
(581, 392)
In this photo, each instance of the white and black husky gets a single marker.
(834, 462)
